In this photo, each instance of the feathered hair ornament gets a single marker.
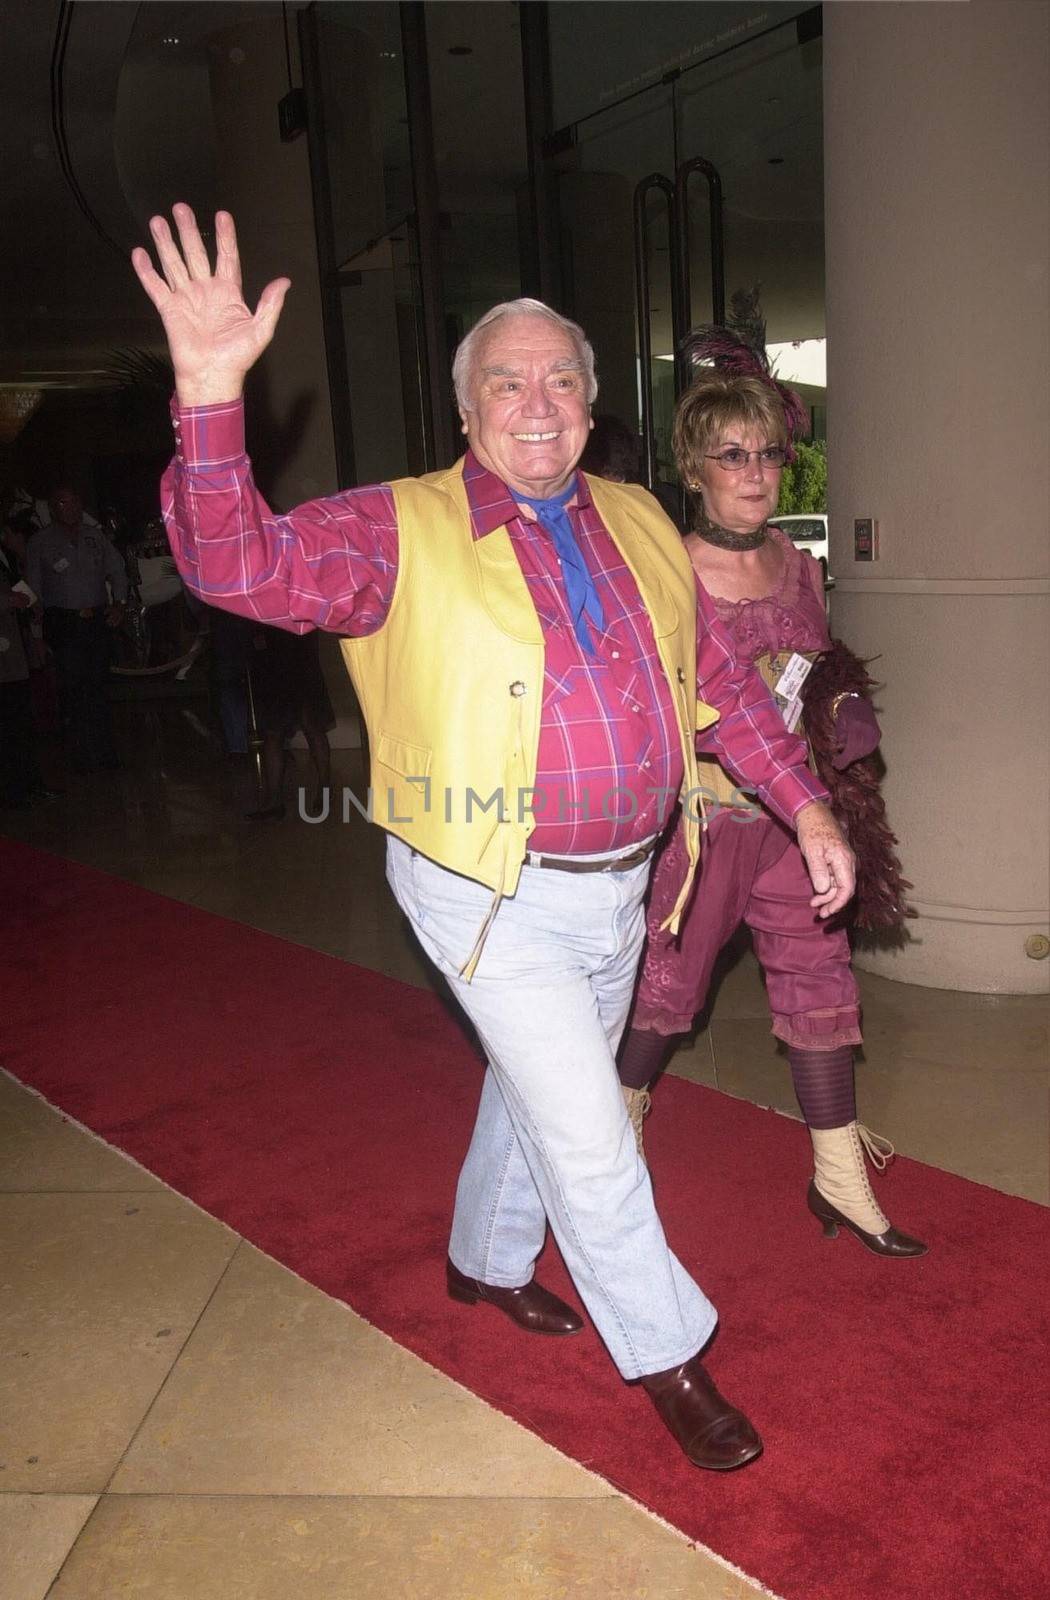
(739, 351)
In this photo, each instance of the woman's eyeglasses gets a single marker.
(734, 459)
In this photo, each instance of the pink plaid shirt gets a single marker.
(609, 764)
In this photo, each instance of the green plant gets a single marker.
(804, 486)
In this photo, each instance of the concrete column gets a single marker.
(936, 134)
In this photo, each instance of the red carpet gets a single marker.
(322, 1112)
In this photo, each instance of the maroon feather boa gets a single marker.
(880, 907)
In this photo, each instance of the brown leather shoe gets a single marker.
(712, 1433)
(532, 1307)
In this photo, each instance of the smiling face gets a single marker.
(529, 417)
(740, 501)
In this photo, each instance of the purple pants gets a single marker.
(753, 872)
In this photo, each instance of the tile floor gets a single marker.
(184, 1419)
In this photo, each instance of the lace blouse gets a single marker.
(792, 617)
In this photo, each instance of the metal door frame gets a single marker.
(676, 195)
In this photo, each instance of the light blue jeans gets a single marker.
(552, 1142)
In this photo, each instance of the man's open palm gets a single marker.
(213, 337)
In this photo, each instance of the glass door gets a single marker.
(597, 176)
(369, 260)
(732, 98)
(757, 114)
(420, 177)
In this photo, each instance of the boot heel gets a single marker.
(823, 1212)
(888, 1243)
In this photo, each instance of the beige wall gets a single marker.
(936, 134)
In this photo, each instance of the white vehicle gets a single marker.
(810, 532)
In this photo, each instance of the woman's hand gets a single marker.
(829, 859)
(856, 733)
(213, 337)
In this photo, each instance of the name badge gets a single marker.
(791, 712)
(793, 677)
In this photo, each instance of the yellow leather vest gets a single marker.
(451, 685)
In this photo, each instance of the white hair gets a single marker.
(463, 360)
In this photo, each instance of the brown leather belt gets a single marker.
(600, 864)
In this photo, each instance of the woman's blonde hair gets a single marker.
(714, 403)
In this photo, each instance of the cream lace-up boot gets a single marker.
(841, 1195)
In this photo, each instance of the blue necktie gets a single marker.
(580, 588)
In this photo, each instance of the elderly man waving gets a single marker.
(533, 662)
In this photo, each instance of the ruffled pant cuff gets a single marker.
(819, 1030)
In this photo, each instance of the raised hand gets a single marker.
(213, 337)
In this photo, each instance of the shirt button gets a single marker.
(681, 674)
(636, 708)
(647, 765)
(616, 655)
(517, 688)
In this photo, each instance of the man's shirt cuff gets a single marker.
(207, 437)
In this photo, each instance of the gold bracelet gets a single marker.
(847, 694)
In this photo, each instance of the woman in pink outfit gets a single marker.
(732, 438)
